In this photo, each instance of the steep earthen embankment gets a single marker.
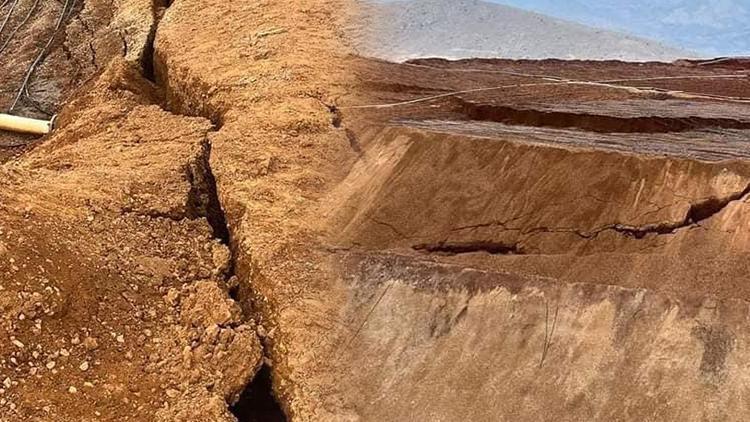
(540, 281)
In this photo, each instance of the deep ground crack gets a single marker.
(697, 212)
(257, 400)
(203, 198)
(457, 248)
(599, 123)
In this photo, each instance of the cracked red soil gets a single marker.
(175, 236)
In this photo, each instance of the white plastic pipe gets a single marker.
(25, 124)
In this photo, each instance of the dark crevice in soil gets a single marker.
(203, 198)
(336, 118)
(698, 212)
(337, 121)
(257, 402)
(456, 248)
(147, 61)
(233, 285)
(641, 231)
(712, 206)
(588, 122)
(353, 141)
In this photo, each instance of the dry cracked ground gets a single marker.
(238, 219)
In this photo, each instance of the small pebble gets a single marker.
(90, 343)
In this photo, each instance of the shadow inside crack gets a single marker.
(257, 402)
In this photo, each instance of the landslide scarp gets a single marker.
(578, 243)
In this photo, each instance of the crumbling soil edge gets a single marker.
(203, 198)
(204, 202)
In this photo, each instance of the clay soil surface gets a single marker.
(238, 219)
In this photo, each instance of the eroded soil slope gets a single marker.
(547, 240)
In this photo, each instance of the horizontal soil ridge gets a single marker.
(598, 123)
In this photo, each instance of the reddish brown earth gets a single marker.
(237, 219)
(548, 240)
(118, 259)
(92, 34)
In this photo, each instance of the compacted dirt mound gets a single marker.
(243, 221)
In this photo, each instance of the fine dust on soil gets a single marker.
(236, 219)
